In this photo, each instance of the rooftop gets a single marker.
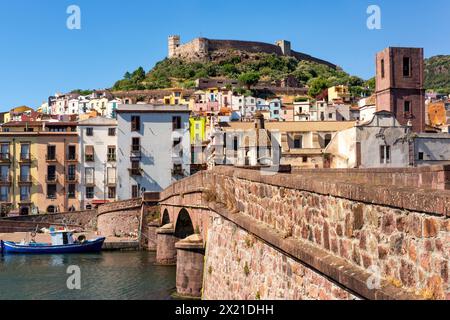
(151, 108)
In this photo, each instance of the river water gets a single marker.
(109, 275)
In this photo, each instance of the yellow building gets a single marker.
(13, 114)
(100, 105)
(197, 129)
(18, 172)
(339, 93)
(176, 97)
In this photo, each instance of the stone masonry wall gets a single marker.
(410, 248)
(239, 266)
(119, 224)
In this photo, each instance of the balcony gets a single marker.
(89, 182)
(25, 178)
(71, 157)
(178, 172)
(5, 157)
(111, 158)
(135, 171)
(51, 178)
(71, 177)
(25, 157)
(50, 157)
(135, 151)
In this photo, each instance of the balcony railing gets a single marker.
(25, 178)
(51, 178)
(136, 151)
(4, 156)
(111, 157)
(71, 157)
(89, 157)
(50, 157)
(25, 157)
(135, 171)
(71, 177)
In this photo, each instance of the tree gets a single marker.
(316, 86)
(127, 76)
(139, 74)
(249, 79)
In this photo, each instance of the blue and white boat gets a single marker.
(63, 242)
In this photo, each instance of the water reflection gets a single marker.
(121, 275)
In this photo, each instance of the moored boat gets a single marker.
(63, 242)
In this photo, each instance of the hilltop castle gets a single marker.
(201, 48)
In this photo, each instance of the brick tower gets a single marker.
(400, 85)
(174, 43)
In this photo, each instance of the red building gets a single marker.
(400, 85)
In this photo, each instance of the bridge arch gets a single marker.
(165, 217)
(184, 226)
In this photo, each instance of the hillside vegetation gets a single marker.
(243, 66)
(437, 74)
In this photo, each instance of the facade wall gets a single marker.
(429, 149)
(61, 203)
(156, 161)
(100, 140)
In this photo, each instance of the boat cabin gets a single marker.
(60, 238)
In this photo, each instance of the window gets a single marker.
(25, 152)
(89, 175)
(51, 173)
(89, 192)
(135, 191)
(382, 68)
(4, 151)
(330, 116)
(421, 155)
(111, 176)
(176, 123)
(406, 66)
(304, 159)
(71, 172)
(111, 153)
(25, 174)
(4, 194)
(235, 143)
(177, 169)
(327, 139)
(111, 192)
(4, 173)
(298, 142)
(407, 107)
(135, 123)
(71, 191)
(71, 153)
(89, 132)
(135, 144)
(89, 153)
(385, 154)
(51, 191)
(135, 167)
(25, 193)
(111, 132)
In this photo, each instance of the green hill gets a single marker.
(242, 66)
(437, 74)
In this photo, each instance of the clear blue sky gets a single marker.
(40, 56)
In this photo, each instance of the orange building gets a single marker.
(437, 114)
(41, 169)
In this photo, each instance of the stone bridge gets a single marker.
(239, 234)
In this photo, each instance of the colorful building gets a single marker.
(339, 93)
(39, 167)
(197, 129)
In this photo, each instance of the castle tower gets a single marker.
(400, 85)
(174, 43)
(285, 46)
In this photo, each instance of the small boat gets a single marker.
(62, 242)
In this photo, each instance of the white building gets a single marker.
(153, 147)
(98, 158)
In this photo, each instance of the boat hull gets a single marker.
(90, 246)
